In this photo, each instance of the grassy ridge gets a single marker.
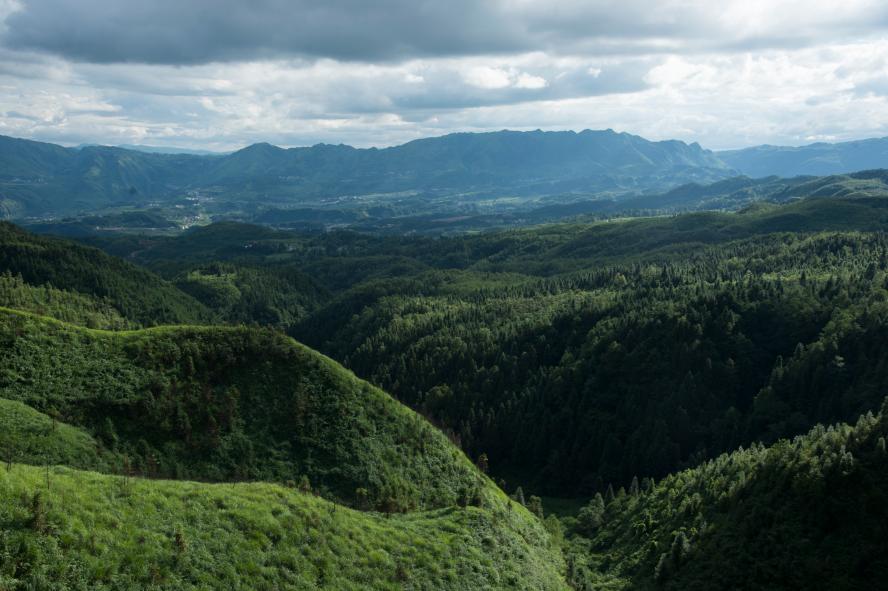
(233, 404)
(298, 412)
(70, 529)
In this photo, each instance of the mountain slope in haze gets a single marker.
(470, 159)
(168, 150)
(40, 179)
(814, 159)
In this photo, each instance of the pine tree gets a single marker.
(519, 495)
(591, 516)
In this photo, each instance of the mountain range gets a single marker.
(39, 179)
(456, 174)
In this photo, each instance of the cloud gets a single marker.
(488, 78)
(203, 31)
(222, 74)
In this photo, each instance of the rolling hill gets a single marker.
(645, 363)
(232, 404)
(63, 528)
(235, 406)
(134, 293)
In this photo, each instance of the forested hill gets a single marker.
(645, 364)
(230, 405)
(580, 355)
(806, 513)
(123, 288)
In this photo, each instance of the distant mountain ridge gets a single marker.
(452, 173)
(38, 178)
(157, 149)
(817, 159)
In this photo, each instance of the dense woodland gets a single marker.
(806, 513)
(687, 381)
(578, 356)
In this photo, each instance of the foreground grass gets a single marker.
(67, 529)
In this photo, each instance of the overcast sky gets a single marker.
(221, 74)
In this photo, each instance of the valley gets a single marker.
(506, 295)
(659, 382)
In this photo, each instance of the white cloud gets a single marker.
(526, 80)
(486, 77)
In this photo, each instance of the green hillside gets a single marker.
(69, 306)
(243, 294)
(806, 513)
(641, 363)
(64, 529)
(31, 437)
(233, 404)
(138, 295)
(577, 355)
(631, 369)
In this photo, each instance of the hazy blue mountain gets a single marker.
(155, 149)
(169, 150)
(739, 191)
(39, 179)
(814, 159)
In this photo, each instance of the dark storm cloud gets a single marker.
(202, 31)
(197, 31)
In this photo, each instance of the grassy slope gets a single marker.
(232, 404)
(77, 529)
(32, 437)
(101, 532)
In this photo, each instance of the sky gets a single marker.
(222, 74)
